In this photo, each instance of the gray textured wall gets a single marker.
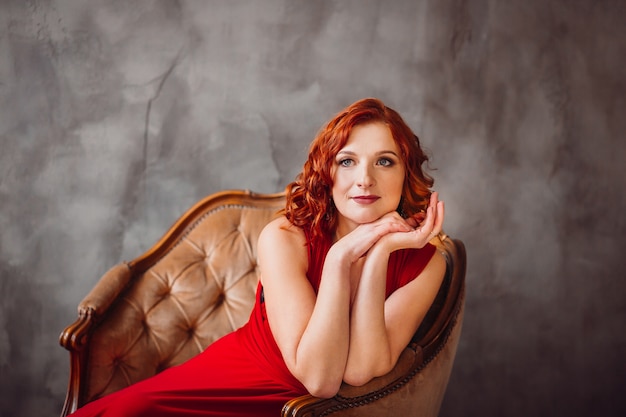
(116, 116)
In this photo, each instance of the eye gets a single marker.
(386, 162)
(346, 162)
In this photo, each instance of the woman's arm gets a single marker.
(380, 329)
(311, 332)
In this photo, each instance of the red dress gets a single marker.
(241, 374)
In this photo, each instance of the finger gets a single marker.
(407, 224)
(427, 225)
(438, 224)
(434, 198)
(390, 224)
(441, 211)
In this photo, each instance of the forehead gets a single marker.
(376, 136)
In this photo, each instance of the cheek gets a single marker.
(340, 182)
(338, 190)
(396, 180)
(398, 187)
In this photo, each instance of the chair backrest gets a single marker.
(192, 287)
(449, 300)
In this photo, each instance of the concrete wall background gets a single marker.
(116, 116)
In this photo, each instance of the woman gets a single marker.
(346, 277)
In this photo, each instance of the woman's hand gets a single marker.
(421, 232)
(357, 243)
(394, 232)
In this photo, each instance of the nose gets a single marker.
(365, 179)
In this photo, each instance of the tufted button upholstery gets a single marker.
(202, 289)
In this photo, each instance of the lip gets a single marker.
(365, 199)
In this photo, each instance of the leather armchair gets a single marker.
(198, 283)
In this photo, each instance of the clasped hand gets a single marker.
(392, 232)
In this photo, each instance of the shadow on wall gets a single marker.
(25, 349)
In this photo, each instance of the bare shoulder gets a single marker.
(282, 244)
(282, 231)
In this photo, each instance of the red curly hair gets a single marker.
(309, 199)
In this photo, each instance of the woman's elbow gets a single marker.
(357, 379)
(319, 381)
(323, 389)
(359, 376)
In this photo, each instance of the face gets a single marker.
(368, 176)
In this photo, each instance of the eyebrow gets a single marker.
(377, 153)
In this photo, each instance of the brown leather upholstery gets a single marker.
(198, 283)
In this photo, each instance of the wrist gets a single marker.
(337, 258)
(380, 250)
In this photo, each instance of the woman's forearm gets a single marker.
(323, 348)
(369, 352)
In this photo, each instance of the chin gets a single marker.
(364, 219)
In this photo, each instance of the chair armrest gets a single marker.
(409, 358)
(76, 336)
(107, 289)
(350, 396)
(94, 305)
